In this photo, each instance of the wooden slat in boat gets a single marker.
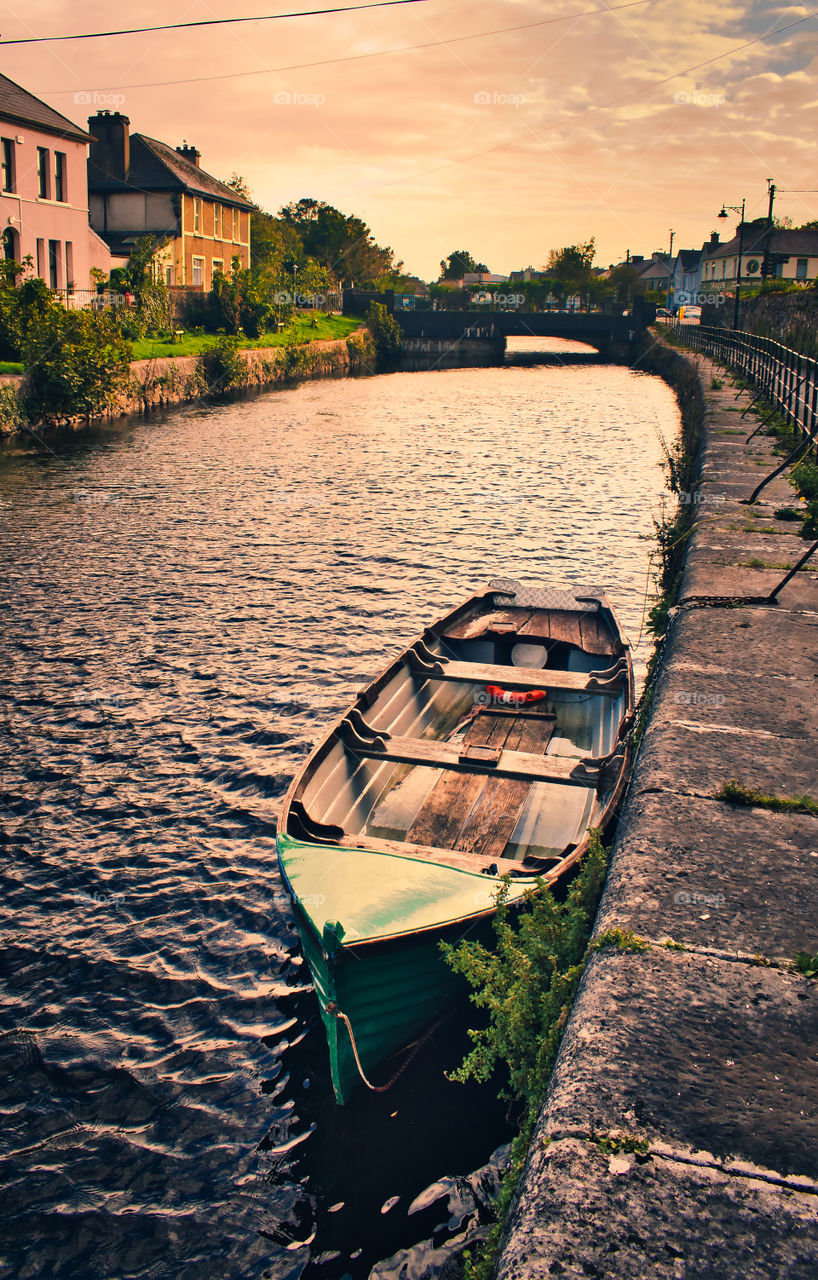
(490, 824)
(596, 635)
(611, 683)
(478, 813)
(496, 621)
(440, 755)
(440, 820)
(562, 626)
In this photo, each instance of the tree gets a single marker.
(237, 183)
(341, 243)
(242, 300)
(569, 269)
(622, 280)
(272, 240)
(151, 313)
(458, 263)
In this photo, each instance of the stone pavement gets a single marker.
(679, 1137)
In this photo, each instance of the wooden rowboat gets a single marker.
(486, 749)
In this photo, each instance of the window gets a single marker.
(69, 265)
(41, 259)
(168, 276)
(218, 265)
(197, 214)
(8, 165)
(10, 244)
(217, 221)
(54, 264)
(198, 271)
(235, 224)
(42, 172)
(59, 176)
(801, 268)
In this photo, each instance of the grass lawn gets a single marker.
(303, 330)
(10, 366)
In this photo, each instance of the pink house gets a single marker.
(44, 192)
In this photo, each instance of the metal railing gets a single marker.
(787, 379)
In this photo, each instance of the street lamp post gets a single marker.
(723, 215)
(670, 270)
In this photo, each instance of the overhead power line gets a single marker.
(210, 22)
(358, 57)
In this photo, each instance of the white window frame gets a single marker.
(197, 215)
(216, 265)
(197, 265)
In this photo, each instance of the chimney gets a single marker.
(110, 152)
(714, 238)
(189, 153)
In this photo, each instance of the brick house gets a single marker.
(138, 186)
(44, 192)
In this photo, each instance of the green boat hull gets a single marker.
(383, 992)
(389, 993)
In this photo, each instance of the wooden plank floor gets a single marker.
(474, 813)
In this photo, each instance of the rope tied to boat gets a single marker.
(333, 1009)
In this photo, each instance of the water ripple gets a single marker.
(188, 601)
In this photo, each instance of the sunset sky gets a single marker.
(508, 144)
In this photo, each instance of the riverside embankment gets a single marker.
(679, 1137)
(183, 379)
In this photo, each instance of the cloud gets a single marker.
(580, 133)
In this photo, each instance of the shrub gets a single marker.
(527, 982)
(385, 330)
(805, 479)
(11, 411)
(224, 369)
(23, 303)
(76, 363)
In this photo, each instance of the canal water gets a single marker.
(187, 601)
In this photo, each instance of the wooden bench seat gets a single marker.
(611, 682)
(499, 763)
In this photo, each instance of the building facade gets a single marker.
(44, 192)
(141, 187)
(791, 254)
